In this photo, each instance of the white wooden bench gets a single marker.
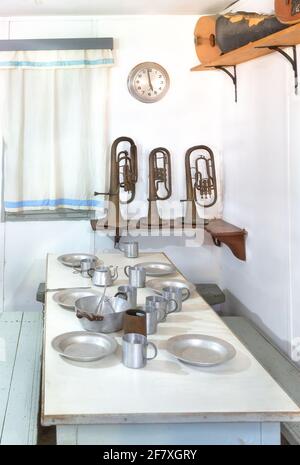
(20, 366)
(276, 363)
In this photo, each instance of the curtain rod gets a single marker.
(57, 44)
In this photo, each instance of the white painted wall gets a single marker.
(261, 178)
(188, 115)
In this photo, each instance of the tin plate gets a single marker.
(158, 268)
(157, 285)
(74, 259)
(200, 350)
(67, 298)
(84, 347)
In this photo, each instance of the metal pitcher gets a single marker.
(104, 275)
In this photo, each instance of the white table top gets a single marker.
(166, 390)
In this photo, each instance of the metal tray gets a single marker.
(67, 298)
(200, 350)
(157, 285)
(158, 268)
(84, 347)
(74, 259)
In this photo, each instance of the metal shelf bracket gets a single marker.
(233, 77)
(292, 60)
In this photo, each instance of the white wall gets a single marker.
(188, 115)
(256, 196)
(261, 178)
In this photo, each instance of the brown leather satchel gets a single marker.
(288, 11)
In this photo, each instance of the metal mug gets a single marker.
(86, 265)
(134, 350)
(136, 275)
(161, 304)
(131, 293)
(130, 249)
(153, 317)
(176, 294)
(103, 275)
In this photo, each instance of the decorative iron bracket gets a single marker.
(233, 76)
(292, 60)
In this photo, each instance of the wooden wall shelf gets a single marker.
(289, 37)
(230, 235)
(285, 38)
(220, 230)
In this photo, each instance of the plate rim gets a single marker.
(170, 265)
(87, 255)
(231, 349)
(88, 334)
(55, 298)
(190, 285)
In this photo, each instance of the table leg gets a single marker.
(66, 435)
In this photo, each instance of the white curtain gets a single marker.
(54, 128)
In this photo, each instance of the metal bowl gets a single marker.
(106, 322)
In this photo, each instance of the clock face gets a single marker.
(148, 82)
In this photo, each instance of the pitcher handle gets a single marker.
(115, 275)
(187, 294)
(125, 270)
(154, 348)
(121, 294)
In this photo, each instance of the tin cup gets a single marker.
(86, 265)
(134, 350)
(131, 293)
(136, 275)
(130, 249)
(176, 294)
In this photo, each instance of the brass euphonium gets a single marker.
(160, 184)
(201, 182)
(123, 178)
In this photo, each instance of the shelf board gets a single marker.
(230, 235)
(284, 38)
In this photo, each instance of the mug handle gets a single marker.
(187, 293)
(125, 270)
(89, 272)
(163, 317)
(154, 348)
(175, 308)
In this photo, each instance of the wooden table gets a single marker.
(167, 402)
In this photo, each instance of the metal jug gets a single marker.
(104, 275)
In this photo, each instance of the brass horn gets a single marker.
(160, 183)
(123, 178)
(201, 181)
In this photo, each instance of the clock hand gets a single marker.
(149, 80)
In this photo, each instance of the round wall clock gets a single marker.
(148, 82)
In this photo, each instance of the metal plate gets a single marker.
(157, 268)
(157, 285)
(67, 298)
(74, 259)
(84, 347)
(200, 350)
